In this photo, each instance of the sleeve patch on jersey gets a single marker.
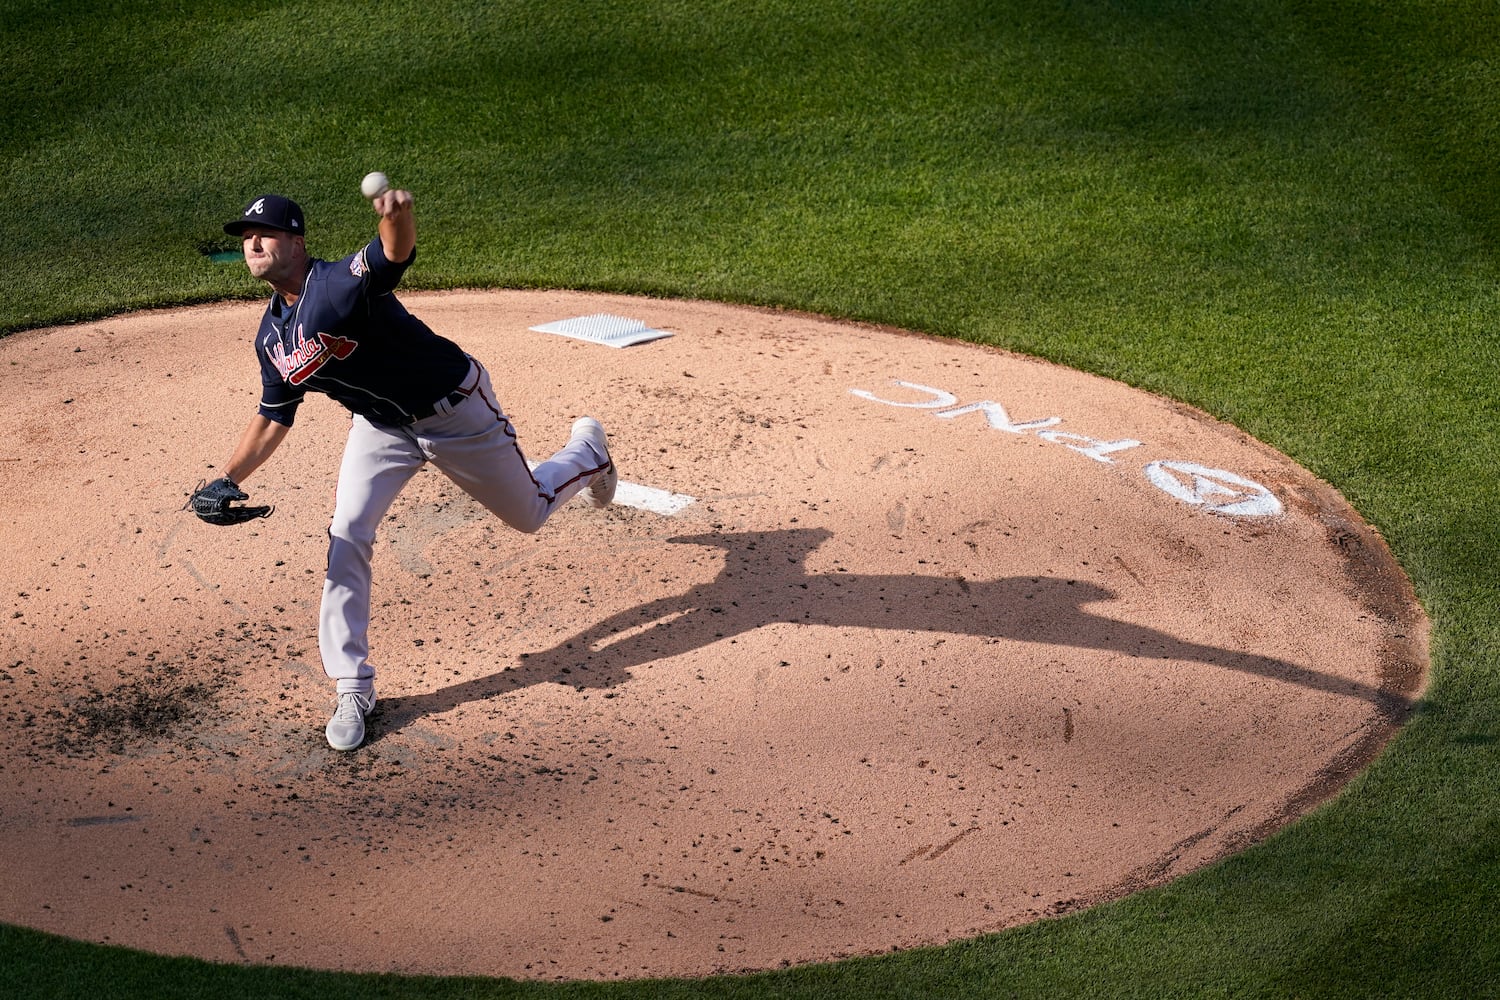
(358, 265)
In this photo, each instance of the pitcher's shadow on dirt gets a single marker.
(764, 581)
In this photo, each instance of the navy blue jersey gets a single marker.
(348, 336)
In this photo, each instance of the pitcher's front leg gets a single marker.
(377, 463)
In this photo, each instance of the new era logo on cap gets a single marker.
(270, 211)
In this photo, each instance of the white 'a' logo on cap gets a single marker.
(258, 208)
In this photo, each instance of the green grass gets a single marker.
(1286, 213)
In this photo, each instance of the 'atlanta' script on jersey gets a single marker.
(309, 355)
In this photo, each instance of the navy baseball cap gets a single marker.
(271, 211)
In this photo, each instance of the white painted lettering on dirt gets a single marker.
(1215, 490)
(1093, 448)
(1219, 491)
(995, 414)
(939, 398)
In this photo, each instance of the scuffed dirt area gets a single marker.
(891, 641)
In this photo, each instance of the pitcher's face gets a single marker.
(274, 256)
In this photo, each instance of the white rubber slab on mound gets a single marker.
(603, 328)
(649, 498)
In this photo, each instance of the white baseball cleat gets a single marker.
(346, 730)
(601, 489)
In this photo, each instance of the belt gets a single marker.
(452, 399)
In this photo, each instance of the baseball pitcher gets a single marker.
(336, 327)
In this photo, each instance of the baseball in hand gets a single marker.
(374, 185)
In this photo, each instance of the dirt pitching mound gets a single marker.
(889, 641)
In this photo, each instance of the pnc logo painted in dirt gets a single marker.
(1215, 490)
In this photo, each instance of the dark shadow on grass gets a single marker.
(764, 581)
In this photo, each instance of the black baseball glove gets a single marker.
(212, 503)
